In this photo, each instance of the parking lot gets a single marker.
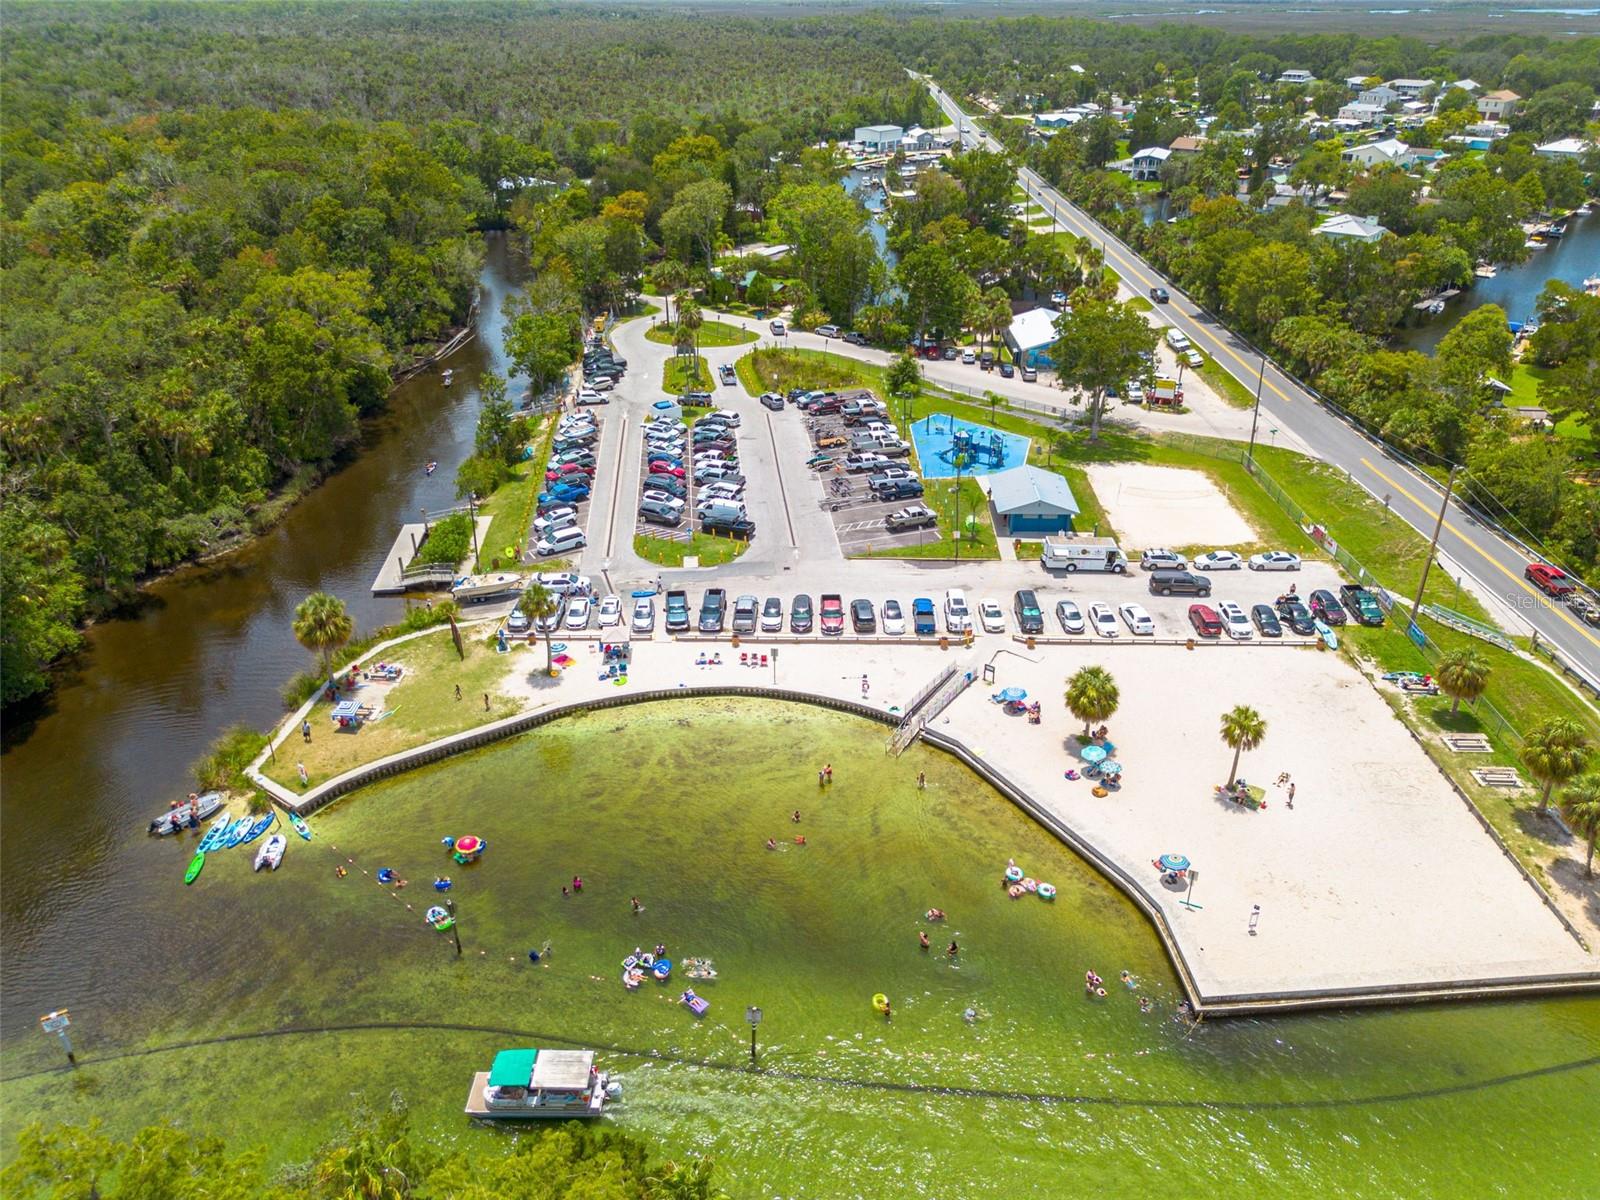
(671, 458)
(578, 438)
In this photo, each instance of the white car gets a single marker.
(957, 617)
(992, 615)
(560, 541)
(892, 619)
(552, 622)
(563, 582)
(1275, 560)
(590, 396)
(772, 615)
(1194, 358)
(517, 621)
(578, 612)
(1217, 560)
(610, 611)
(1070, 616)
(644, 615)
(1138, 621)
(1103, 620)
(1177, 341)
(1135, 392)
(968, 357)
(602, 383)
(1235, 621)
(555, 518)
(657, 496)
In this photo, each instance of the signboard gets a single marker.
(1414, 632)
(54, 1022)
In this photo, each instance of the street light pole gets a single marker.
(1416, 605)
(1255, 416)
(455, 926)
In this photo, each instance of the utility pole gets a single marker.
(1255, 416)
(455, 925)
(1416, 605)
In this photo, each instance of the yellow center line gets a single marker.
(1501, 567)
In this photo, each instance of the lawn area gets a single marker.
(686, 375)
(423, 705)
(667, 552)
(510, 508)
(977, 533)
(1140, 303)
(1230, 389)
(641, 308)
(1525, 380)
(780, 370)
(710, 335)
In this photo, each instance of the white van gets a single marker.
(1082, 554)
(561, 541)
(716, 509)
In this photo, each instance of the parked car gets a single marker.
(591, 396)
(948, 353)
(662, 496)
(827, 331)
(1194, 358)
(1552, 581)
(746, 614)
(1275, 560)
(800, 614)
(726, 373)
(923, 623)
(644, 615)
(1295, 615)
(832, 615)
(1205, 620)
(1139, 622)
(1361, 604)
(894, 620)
(578, 611)
(862, 618)
(1025, 607)
(1029, 375)
(661, 512)
(1135, 392)
(742, 528)
(602, 383)
(1070, 616)
(968, 357)
(898, 489)
(610, 612)
(914, 516)
(1325, 605)
(1217, 560)
(558, 517)
(865, 460)
(1007, 371)
(986, 360)
(1179, 583)
(1176, 340)
(991, 615)
(1234, 621)
(1159, 295)
(855, 339)
(669, 484)
(957, 617)
(1103, 620)
(777, 328)
(552, 620)
(563, 583)
(772, 615)
(772, 400)
(713, 610)
(517, 621)
(1267, 624)
(1162, 560)
(560, 541)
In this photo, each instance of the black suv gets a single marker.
(1179, 583)
(736, 527)
(1295, 615)
(861, 616)
(1029, 617)
(712, 610)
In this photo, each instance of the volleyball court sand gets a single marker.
(1167, 506)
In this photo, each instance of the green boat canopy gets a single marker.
(512, 1068)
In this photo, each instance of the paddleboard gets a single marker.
(300, 826)
(196, 864)
(1326, 633)
(261, 825)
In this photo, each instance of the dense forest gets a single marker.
(223, 227)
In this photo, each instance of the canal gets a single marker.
(80, 889)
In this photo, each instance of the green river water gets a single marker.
(1046, 1093)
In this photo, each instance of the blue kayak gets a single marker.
(216, 835)
(261, 825)
(236, 832)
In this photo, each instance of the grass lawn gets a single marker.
(977, 533)
(668, 552)
(780, 370)
(686, 375)
(711, 334)
(641, 308)
(510, 508)
(1230, 389)
(1140, 303)
(1525, 380)
(423, 704)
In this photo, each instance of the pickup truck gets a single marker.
(832, 615)
(677, 612)
(922, 617)
(712, 610)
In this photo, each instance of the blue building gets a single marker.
(1028, 500)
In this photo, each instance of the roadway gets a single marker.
(1466, 546)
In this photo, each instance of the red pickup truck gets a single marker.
(832, 615)
(1552, 581)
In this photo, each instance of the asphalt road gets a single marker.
(1466, 547)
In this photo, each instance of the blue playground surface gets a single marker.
(942, 441)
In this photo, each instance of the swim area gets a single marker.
(994, 1066)
(948, 445)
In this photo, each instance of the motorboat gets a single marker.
(532, 1084)
(186, 815)
(481, 587)
(271, 852)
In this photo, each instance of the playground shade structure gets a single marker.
(944, 441)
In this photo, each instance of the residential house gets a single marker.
(1498, 106)
(918, 138)
(1564, 148)
(1411, 89)
(1283, 195)
(1358, 229)
(1356, 82)
(1372, 154)
(1381, 95)
(880, 139)
(1031, 335)
(1466, 85)
(1296, 75)
(1063, 119)
(1187, 144)
(1146, 164)
(1362, 115)
(1487, 129)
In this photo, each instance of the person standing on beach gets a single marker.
(827, 772)
(1291, 795)
(922, 781)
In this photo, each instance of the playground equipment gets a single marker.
(968, 449)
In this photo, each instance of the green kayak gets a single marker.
(195, 865)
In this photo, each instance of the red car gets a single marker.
(1205, 620)
(833, 615)
(661, 468)
(1552, 581)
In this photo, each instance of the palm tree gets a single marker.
(690, 317)
(1582, 802)
(1555, 752)
(669, 276)
(322, 625)
(1092, 695)
(539, 604)
(1462, 676)
(1243, 728)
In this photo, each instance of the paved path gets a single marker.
(1494, 564)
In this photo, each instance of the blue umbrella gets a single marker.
(1110, 768)
(1173, 862)
(1092, 753)
(1011, 695)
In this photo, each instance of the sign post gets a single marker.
(1186, 901)
(57, 1023)
(753, 1015)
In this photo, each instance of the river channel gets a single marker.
(209, 648)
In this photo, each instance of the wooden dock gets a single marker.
(393, 579)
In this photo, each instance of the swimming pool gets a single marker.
(940, 439)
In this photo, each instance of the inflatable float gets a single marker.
(698, 1006)
(468, 849)
(1047, 891)
(880, 1003)
(1015, 891)
(662, 969)
(439, 918)
(1013, 874)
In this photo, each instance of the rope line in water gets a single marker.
(877, 1085)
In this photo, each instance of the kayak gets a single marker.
(236, 832)
(262, 824)
(1325, 631)
(300, 826)
(196, 864)
(217, 834)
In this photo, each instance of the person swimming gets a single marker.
(772, 844)
(799, 839)
(796, 817)
(1127, 980)
(935, 914)
(922, 938)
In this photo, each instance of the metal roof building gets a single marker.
(1028, 500)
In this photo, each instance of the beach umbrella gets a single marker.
(1110, 767)
(1173, 862)
(1092, 753)
(1011, 695)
